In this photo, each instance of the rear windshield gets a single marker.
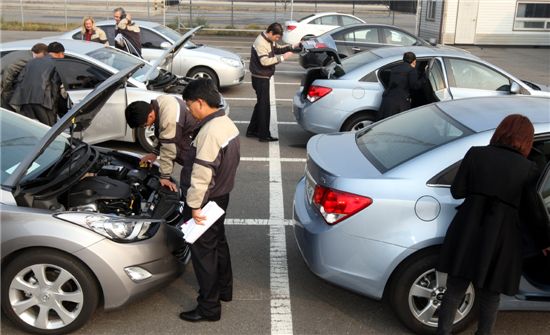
(398, 139)
(351, 63)
(305, 17)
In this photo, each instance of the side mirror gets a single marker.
(514, 88)
(165, 45)
(432, 41)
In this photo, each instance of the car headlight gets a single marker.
(116, 228)
(231, 61)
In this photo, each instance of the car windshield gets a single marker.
(18, 137)
(121, 60)
(396, 140)
(351, 63)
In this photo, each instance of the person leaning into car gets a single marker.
(403, 78)
(217, 155)
(174, 127)
(9, 77)
(127, 32)
(485, 242)
(264, 55)
(39, 92)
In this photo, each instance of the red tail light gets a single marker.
(317, 92)
(290, 27)
(320, 45)
(336, 206)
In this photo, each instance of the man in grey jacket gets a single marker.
(264, 55)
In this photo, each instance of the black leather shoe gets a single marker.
(226, 298)
(268, 139)
(251, 134)
(194, 316)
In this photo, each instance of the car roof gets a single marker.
(370, 25)
(422, 51)
(76, 46)
(485, 113)
(145, 24)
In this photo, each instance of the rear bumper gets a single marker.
(352, 262)
(314, 119)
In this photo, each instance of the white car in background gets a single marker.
(315, 25)
(194, 60)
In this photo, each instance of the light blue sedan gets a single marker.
(347, 96)
(373, 207)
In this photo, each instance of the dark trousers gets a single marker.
(488, 307)
(212, 264)
(38, 112)
(259, 123)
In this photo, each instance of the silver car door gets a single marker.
(438, 82)
(468, 78)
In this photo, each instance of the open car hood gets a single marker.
(171, 51)
(81, 115)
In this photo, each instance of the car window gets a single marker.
(395, 37)
(351, 63)
(467, 74)
(396, 140)
(169, 32)
(330, 20)
(19, 135)
(110, 32)
(77, 35)
(366, 35)
(151, 40)
(80, 75)
(436, 77)
(346, 20)
(121, 60)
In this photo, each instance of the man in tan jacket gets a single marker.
(264, 55)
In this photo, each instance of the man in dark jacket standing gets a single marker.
(174, 126)
(403, 79)
(264, 55)
(127, 32)
(9, 77)
(39, 92)
(217, 149)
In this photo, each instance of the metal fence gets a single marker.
(213, 14)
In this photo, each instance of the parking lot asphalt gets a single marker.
(259, 234)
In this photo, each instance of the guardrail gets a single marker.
(213, 14)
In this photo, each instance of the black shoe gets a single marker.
(268, 139)
(195, 316)
(251, 134)
(226, 298)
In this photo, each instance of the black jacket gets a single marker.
(396, 97)
(40, 83)
(484, 241)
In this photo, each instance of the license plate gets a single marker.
(310, 187)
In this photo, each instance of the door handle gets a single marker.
(356, 49)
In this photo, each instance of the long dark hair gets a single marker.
(515, 131)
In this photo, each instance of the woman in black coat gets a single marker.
(483, 244)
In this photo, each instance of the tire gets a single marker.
(415, 294)
(204, 72)
(358, 122)
(146, 138)
(42, 300)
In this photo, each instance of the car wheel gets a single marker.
(146, 138)
(203, 72)
(358, 122)
(48, 292)
(416, 291)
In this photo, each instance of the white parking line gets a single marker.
(275, 160)
(286, 123)
(255, 222)
(281, 314)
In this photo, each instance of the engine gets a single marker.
(116, 188)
